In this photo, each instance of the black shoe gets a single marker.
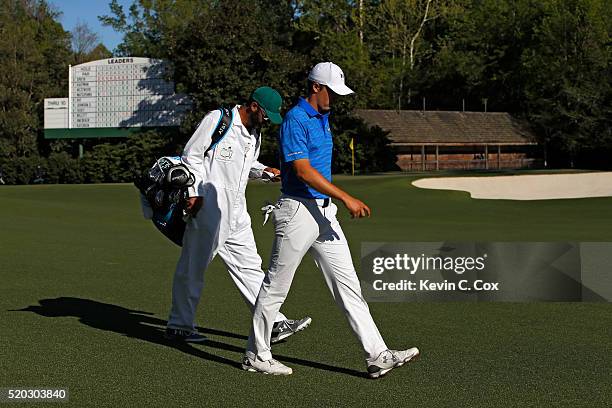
(284, 329)
(187, 336)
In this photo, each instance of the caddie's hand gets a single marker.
(274, 171)
(193, 205)
(357, 208)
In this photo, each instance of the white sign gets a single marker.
(123, 92)
(56, 113)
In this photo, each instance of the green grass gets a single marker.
(95, 279)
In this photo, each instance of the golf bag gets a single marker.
(163, 192)
(164, 187)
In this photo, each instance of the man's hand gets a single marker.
(274, 171)
(193, 205)
(356, 207)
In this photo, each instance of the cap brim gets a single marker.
(341, 89)
(275, 117)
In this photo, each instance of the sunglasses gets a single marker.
(263, 113)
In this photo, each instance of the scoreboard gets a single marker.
(117, 93)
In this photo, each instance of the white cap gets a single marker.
(329, 74)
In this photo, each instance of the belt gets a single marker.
(323, 202)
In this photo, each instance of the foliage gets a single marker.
(547, 61)
(34, 50)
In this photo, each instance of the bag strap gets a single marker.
(223, 126)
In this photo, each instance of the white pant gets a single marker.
(217, 229)
(302, 225)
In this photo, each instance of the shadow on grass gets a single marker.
(143, 326)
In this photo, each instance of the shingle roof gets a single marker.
(444, 127)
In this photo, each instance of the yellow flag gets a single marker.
(352, 155)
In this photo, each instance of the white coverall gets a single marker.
(223, 225)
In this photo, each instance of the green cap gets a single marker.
(269, 99)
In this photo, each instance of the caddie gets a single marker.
(218, 221)
(305, 221)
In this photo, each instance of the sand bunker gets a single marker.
(529, 187)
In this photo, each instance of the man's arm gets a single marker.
(257, 168)
(309, 175)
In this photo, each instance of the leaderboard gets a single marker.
(124, 92)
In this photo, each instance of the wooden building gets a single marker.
(436, 140)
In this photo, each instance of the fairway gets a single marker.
(86, 288)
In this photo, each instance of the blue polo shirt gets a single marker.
(305, 134)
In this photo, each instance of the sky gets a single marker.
(87, 11)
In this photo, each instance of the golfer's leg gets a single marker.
(239, 253)
(197, 253)
(295, 231)
(332, 255)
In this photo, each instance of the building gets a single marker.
(437, 140)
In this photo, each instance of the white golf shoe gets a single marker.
(271, 366)
(389, 359)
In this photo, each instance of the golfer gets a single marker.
(305, 220)
(219, 222)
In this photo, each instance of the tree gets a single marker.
(569, 86)
(547, 60)
(84, 41)
(34, 51)
(220, 51)
(406, 22)
(98, 53)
